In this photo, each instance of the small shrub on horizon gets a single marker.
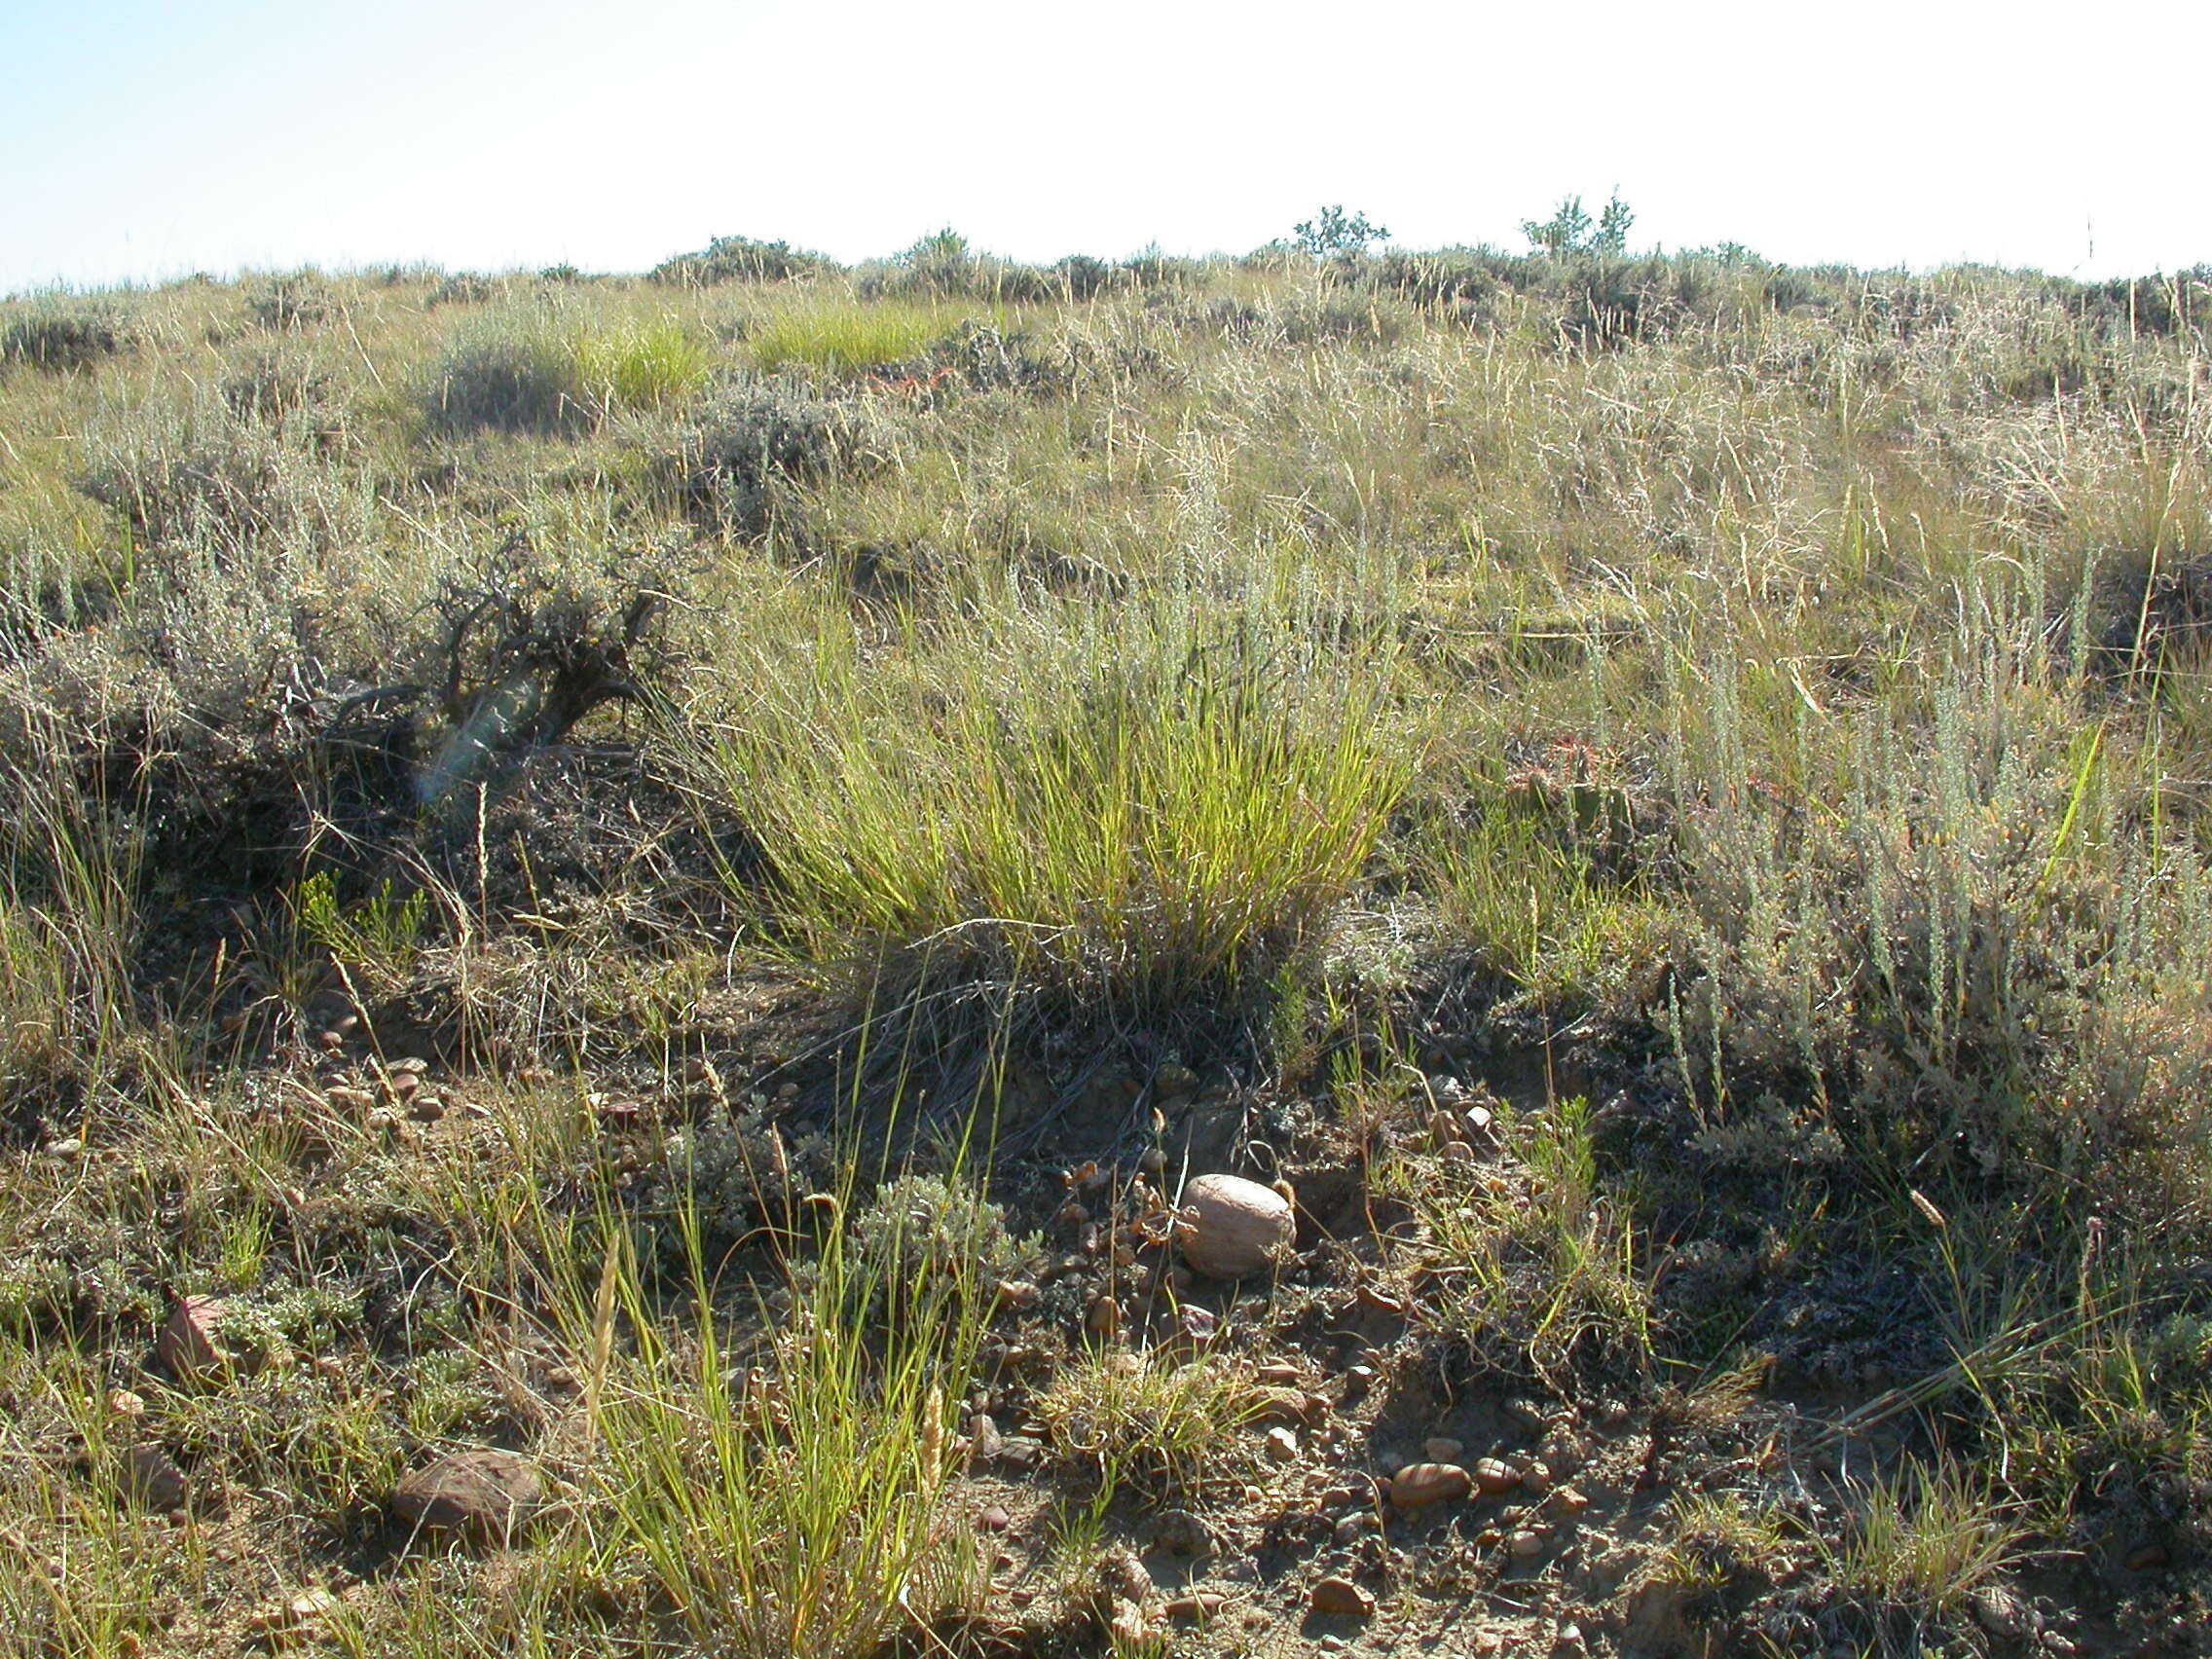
(1333, 232)
(741, 259)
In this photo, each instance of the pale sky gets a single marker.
(143, 140)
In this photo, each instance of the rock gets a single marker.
(188, 1344)
(1380, 1301)
(1526, 1414)
(1442, 1451)
(1286, 1405)
(1277, 1375)
(1419, 1484)
(486, 1493)
(2001, 1614)
(1340, 1598)
(1567, 1501)
(1128, 1627)
(994, 1519)
(123, 1403)
(1104, 1317)
(151, 1477)
(1181, 1533)
(1282, 1446)
(1525, 1545)
(1232, 1228)
(1495, 1476)
(1201, 1606)
(292, 1613)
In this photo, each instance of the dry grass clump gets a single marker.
(513, 373)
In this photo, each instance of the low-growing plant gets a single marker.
(789, 1506)
(727, 1181)
(1150, 1423)
(745, 445)
(922, 1239)
(1924, 1538)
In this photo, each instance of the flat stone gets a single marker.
(486, 1493)
(2001, 1614)
(1201, 1606)
(1181, 1533)
(1419, 1484)
(1340, 1598)
(188, 1344)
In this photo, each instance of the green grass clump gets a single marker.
(1138, 815)
(844, 337)
(647, 367)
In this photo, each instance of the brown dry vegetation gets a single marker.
(670, 875)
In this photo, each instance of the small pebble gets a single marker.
(1495, 1476)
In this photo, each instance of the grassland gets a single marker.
(668, 875)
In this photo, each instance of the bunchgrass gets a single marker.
(1136, 815)
(845, 335)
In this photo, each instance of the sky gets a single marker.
(145, 139)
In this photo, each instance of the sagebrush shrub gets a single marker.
(299, 300)
(57, 337)
(731, 1176)
(741, 259)
(211, 475)
(745, 440)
